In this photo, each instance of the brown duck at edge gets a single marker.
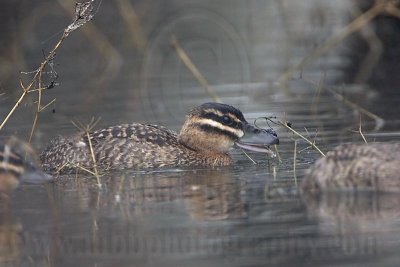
(11, 168)
(209, 131)
(355, 167)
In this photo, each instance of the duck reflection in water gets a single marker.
(205, 194)
(355, 188)
(351, 213)
(10, 235)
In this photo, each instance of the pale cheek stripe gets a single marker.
(236, 132)
(10, 167)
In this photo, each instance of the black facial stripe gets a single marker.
(216, 117)
(212, 129)
(12, 159)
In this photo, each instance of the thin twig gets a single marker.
(13, 109)
(48, 104)
(274, 172)
(294, 162)
(361, 133)
(255, 163)
(87, 129)
(83, 14)
(301, 136)
(277, 154)
(315, 135)
(96, 173)
(62, 167)
(77, 166)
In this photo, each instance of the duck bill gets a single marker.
(257, 140)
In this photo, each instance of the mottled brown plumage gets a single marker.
(356, 167)
(209, 131)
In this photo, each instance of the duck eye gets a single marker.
(226, 120)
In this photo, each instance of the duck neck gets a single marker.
(206, 158)
(208, 149)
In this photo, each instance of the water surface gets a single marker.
(244, 215)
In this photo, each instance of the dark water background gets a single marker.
(121, 67)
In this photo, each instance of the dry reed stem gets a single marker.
(48, 104)
(274, 172)
(294, 162)
(361, 133)
(36, 78)
(311, 143)
(277, 154)
(39, 100)
(83, 14)
(255, 163)
(94, 160)
(62, 167)
(314, 140)
(359, 22)
(87, 129)
(379, 122)
(84, 169)
(76, 166)
(194, 70)
(13, 108)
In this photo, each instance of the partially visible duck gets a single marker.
(354, 167)
(11, 168)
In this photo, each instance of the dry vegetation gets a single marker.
(84, 12)
(380, 7)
